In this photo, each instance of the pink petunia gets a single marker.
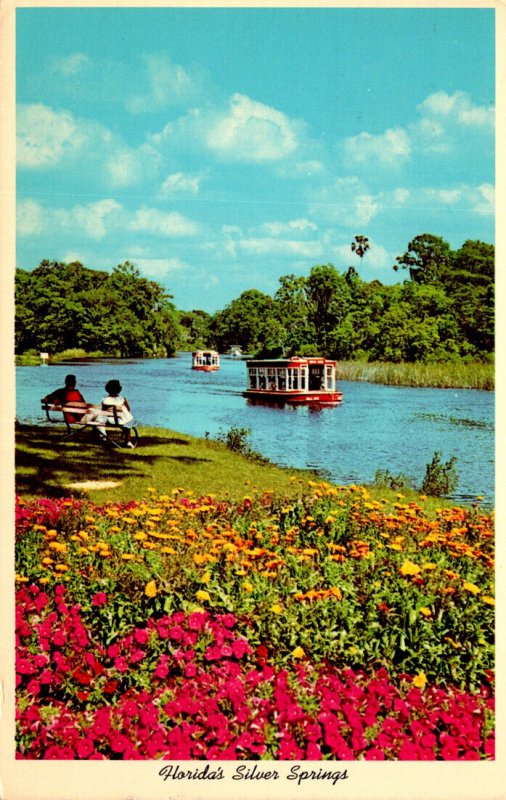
(99, 599)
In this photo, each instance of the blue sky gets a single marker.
(218, 149)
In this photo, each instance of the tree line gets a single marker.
(443, 310)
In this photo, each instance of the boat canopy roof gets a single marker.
(291, 363)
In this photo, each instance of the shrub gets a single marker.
(440, 478)
(384, 479)
(236, 439)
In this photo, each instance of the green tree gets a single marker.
(249, 321)
(292, 313)
(329, 299)
(427, 258)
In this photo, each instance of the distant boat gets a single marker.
(297, 381)
(235, 351)
(206, 360)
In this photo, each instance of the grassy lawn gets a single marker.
(164, 460)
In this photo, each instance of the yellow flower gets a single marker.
(336, 592)
(420, 680)
(61, 567)
(277, 608)
(151, 590)
(127, 556)
(206, 577)
(408, 568)
(60, 547)
(247, 586)
(426, 612)
(21, 579)
(298, 652)
(429, 565)
(489, 600)
(202, 596)
(471, 587)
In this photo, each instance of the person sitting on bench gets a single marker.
(68, 394)
(113, 400)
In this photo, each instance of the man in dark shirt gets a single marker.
(67, 394)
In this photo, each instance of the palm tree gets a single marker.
(360, 245)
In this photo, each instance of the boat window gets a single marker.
(293, 378)
(315, 377)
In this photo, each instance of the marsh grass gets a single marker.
(440, 376)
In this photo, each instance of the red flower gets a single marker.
(85, 748)
(141, 635)
(99, 599)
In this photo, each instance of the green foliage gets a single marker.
(65, 307)
(236, 439)
(444, 312)
(383, 478)
(440, 478)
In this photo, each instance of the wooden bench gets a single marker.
(72, 413)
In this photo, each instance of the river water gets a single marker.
(376, 427)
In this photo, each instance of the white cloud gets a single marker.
(484, 202)
(477, 199)
(281, 228)
(45, 136)
(160, 267)
(345, 202)
(180, 182)
(54, 139)
(231, 230)
(29, 218)
(168, 84)
(124, 168)
(94, 220)
(390, 148)
(280, 247)
(458, 107)
(70, 65)
(151, 220)
(252, 131)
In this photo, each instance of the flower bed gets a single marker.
(330, 627)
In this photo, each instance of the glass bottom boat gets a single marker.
(205, 360)
(297, 381)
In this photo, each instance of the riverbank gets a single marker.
(167, 461)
